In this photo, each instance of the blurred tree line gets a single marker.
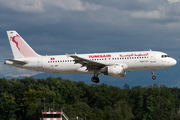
(23, 99)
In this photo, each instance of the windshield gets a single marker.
(164, 56)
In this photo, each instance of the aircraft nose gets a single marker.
(173, 62)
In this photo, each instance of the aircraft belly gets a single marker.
(143, 66)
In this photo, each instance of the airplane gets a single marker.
(115, 64)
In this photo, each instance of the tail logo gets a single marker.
(22, 46)
(16, 42)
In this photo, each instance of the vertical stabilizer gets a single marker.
(19, 47)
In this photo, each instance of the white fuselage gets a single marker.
(62, 64)
(113, 64)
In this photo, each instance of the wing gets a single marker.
(91, 65)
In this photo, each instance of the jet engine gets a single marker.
(115, 70)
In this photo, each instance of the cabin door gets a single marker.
(152, 57)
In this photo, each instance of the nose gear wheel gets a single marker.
(153, 77)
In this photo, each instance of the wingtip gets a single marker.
(67, 55)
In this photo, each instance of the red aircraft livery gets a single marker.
(13, 39)
(133, 54)
(99, 56)
(52, 58)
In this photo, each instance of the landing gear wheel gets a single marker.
(95, 79)
(153, 77)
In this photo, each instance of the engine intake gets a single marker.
(115, 70)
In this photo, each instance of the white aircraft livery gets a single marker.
(114, 64)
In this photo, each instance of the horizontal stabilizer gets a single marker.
(17, 61)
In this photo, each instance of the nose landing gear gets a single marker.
(153, 77)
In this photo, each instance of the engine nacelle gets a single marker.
(115, 71)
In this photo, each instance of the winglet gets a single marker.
(67, 55)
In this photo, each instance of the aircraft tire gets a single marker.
(153, 77)
(97, 80)
(93, 79)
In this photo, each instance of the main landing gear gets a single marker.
(153, 77)
(95, 78)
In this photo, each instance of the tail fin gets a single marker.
(19, 47)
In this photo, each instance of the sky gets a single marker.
(54, 27)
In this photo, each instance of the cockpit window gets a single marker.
(164, 56)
